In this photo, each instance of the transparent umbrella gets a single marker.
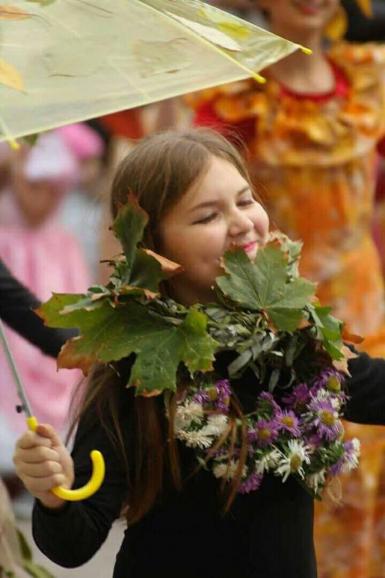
(63, 61)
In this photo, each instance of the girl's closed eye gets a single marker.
(206, 219)
(246, 202)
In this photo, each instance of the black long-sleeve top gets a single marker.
(267, 534)
(16, 309)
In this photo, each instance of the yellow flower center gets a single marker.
(295, 462)
(327, 417)
(333, 384)
(264, 433)
(288, 420)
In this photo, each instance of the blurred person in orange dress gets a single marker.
(311, 134)
(45, 258)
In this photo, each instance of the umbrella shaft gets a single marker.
(19, 384)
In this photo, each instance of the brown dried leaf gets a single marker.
(342, 364)
(70, 358)
(169, 267)
(351, 337)
(151, 393)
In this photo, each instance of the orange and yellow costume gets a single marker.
(313, 158)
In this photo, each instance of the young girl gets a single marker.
(311, 134)
(200, 202)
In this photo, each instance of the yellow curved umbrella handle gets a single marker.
(92, 486)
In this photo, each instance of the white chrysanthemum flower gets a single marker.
(216, 424)
(291, 462)
(352, 456)
(316, 481)
(195, 439)
(228, 470)
(186, 414)
(325, 395)
(268, 461)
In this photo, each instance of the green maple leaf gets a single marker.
(112, 333)
(139, 269)
(128, 227)
(263, 285)
(329, 330)
(155, 368)
(54, 314)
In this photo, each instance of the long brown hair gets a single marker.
(158, 171)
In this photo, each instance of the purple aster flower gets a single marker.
(250, 484)
(201, 397)
(349, 460)
(330, 379)
(218, 395)
(337, 468)
(288, 421)
(223, 395)
(314, 440)
(267, 402)
(298, 397)
(326, 419)
(264, 433)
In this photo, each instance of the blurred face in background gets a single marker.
(296, 18)
(37, 198)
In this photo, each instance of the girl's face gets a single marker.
(299, 15)
(217, 213)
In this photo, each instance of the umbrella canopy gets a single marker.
(63, 61)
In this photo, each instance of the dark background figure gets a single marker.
(17, 306)
(363, 29)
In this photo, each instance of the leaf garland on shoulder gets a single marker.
(265, 312)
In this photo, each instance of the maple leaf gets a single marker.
(329, 330)
(112, 333)
(141, 268)
(343, 364)
(129, 226)
(263, 285)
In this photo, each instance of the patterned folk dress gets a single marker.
(313, 159)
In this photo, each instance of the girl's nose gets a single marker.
(240, 224)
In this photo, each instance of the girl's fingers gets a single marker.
(48, 432)
(41, 470)
(39, 485)
(31, 439)
(36, 455)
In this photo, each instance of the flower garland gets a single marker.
(301, 435)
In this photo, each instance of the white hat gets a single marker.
(51, 159)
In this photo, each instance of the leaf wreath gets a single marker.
(265, 312)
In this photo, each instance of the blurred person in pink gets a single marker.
(46, 259)
(81, 212)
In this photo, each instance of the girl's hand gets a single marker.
(42, 462)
